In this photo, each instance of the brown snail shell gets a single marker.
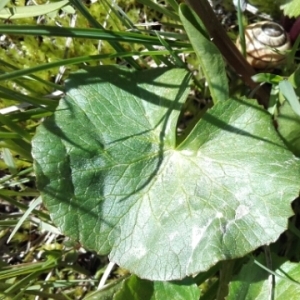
(266, 43)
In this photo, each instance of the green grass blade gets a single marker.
(9, 160)
(18, 12)
(31, 77)
(209, 56)
(173, 4)
(36, 101)
(123, 18)
(165, 11)
(5, 179)
(241, 28)
(19, 146)
(91, 33)
(31, 207)
(23, 207)
(30, 114)
(178, 62)
(77, 60)
(9, 272)
(5, 120)
(275, 273)
(8, 135)
(82, 9)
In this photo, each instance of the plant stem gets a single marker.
(225, 278)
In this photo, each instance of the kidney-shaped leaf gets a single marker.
(112, 176)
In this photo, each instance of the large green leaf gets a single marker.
(112, 176)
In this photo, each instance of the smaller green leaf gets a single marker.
(108, 291)
(209, 56)
(253, 281)
(289, 127)
(31, 11)
(287, 90)
(291, 8)
(135, 288)
(267, 77)
(68, 9)
(185, 289)
(294, 79)
(3, 3)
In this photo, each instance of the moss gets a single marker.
(28, 51)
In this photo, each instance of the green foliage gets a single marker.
(268, 6)
(291, 8)
(255, 282)
(288, 127)
(138, 163)
(135, 288)
(209, 56)
(15, 12)
(29, 51)
(122, 174)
